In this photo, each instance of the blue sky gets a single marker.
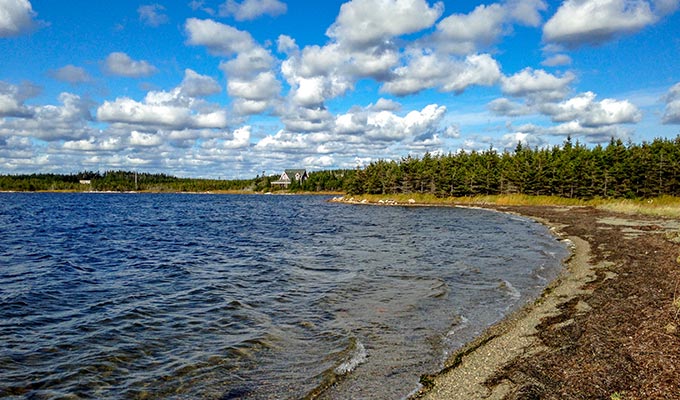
(232, 88)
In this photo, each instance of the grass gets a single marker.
(665, 206)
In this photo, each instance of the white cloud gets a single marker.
(51, 122)
(526, 12)
(430, 70)
(197, 85)
(579, 22)
(144, 139)
(286, 44)
(220, 39)
(592, 114)
(12, 99)
(557, 60)
(364, 23)
(152, 15)
(467, 33)
(174, 109)
(252, 9)
(464, 33)
(16, 17)
(383, 125)
(121, 64)
(263, 86)
(282, 141)
(126, 110)
(537, 85)
(71, 74)
(385, 105)
(251, 81)
(509, 108)
(240, 139)
(304, 119)
(318, 162)
(671, 113)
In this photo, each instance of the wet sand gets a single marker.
(606, 328)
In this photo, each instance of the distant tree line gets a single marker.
(117, 181)
(124, 181)
(572, 170)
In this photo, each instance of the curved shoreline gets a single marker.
(610, 266)
(607, 327)
(465, 374)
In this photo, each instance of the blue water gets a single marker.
(257, 297)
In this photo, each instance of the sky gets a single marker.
(231, 89)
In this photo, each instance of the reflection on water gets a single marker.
(186, 296)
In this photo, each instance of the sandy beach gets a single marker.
(607, 328)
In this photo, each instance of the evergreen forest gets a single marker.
(571, 170)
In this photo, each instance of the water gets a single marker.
(254, 297)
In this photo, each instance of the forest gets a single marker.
(572, 170)
(129, 181)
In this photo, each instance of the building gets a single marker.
(291, 175)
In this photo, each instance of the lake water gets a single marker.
(254, 297)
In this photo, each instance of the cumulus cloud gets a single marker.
(671, 113)
(282, 141)
(197, 85)
(250, 77)
(51, 122)
(218, 38)
(12, 99)
(537, 85)
(431, 70)
(386, 126)
(178, 109)
(152, 15)
(509, 108)
(557, 60)
(316, 74)
(252, 9)
(580, 22)
(251, 81)
(590, 113)
(467, 33)
(16, 17)
(154, 113)
(71, 74)
(364, 23)
(121, 64)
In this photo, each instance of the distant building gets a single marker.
(85, 182)
(291, 175)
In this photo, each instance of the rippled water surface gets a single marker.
(255, 297)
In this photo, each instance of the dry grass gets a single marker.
(665, 206)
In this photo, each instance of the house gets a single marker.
(291, 175)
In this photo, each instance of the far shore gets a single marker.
(607, 328)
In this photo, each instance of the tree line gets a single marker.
(127, 181)
(117, 181)
(571, 170)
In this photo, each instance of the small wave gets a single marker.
(458, 323)
(507, 286)
(358, 356)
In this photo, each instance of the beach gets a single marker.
(607, 328)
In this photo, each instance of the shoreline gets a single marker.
(606, 327)
(466, 371)
(550, 338)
